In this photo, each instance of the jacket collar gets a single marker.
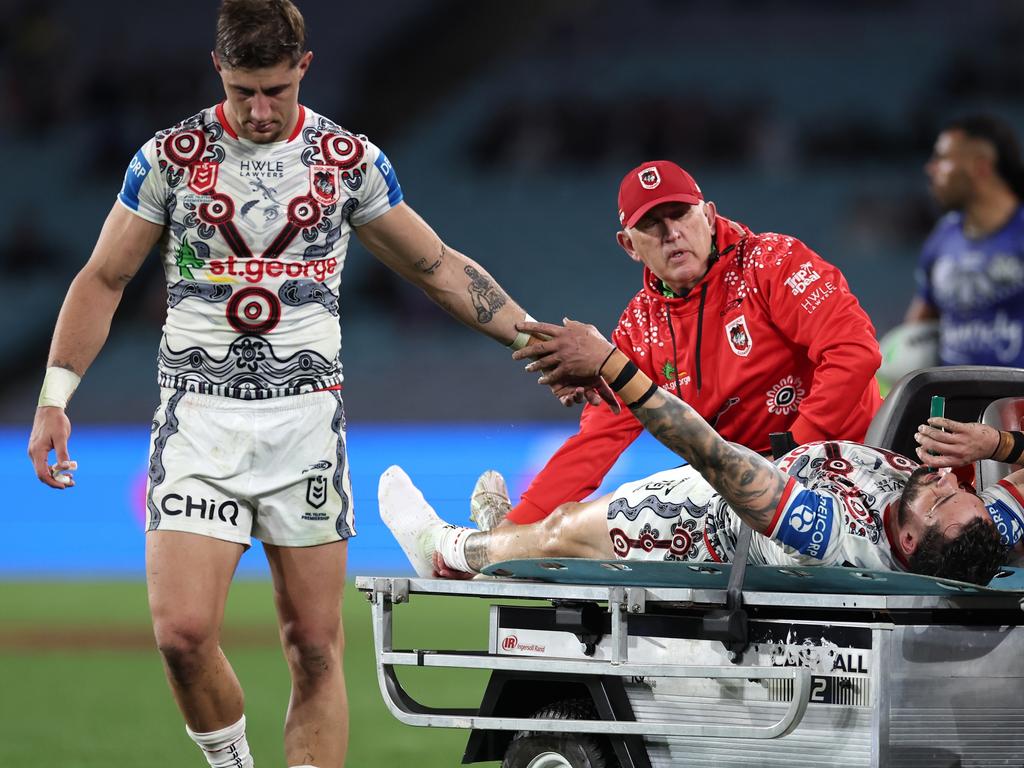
(727, 234)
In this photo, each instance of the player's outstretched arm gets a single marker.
(405, 243)
(750, 484)
(82, 328)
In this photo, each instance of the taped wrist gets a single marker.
(626, 380)
(522, 339)
(59, 384)
(1009, 448)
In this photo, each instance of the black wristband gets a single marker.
(628, 371)
(645, 396)
(1018, 448)
(606, 359)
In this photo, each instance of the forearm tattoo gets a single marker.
(486, 296)
(423, 266)
(751, 484)
(478, 551)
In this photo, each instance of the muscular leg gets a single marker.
(188, 578)
(308, 587)
(576, 529)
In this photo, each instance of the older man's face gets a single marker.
(674, 241)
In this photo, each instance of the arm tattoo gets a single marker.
(486, 296)
(478, 554)
(751, 484)
(429, 269)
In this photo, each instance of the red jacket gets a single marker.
(770, 340)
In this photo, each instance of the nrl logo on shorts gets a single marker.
(323, 184)
(202, 177)
(649, 178)
(316, 491)
(739, 336)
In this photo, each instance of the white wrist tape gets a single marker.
(521, 339)
(59, 385)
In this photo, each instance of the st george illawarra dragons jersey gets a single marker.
(254, 244)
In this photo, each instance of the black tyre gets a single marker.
(532, 749)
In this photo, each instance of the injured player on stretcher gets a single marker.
(824, 503)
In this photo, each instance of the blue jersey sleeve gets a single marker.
(140, 190)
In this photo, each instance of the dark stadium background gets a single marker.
(510, 125)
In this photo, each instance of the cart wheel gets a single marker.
(533, 749)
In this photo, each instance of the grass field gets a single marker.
(82, 685)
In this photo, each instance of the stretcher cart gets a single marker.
(598, 664)
(640, 665)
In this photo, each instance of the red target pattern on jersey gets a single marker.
(620, 542)
(682, 540)
(185, 148)
(254, 310)
(220, 210)
(303, 212)
(342, 151)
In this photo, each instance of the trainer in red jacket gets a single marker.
(755, 331)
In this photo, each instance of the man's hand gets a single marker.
(947, 443)
(570, 359)
(50, 431)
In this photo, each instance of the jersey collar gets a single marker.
(223, 119)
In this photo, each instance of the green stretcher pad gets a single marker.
(758, 578)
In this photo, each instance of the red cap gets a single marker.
(653, 183)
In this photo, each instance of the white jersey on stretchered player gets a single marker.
(839, 508)
(254, 247)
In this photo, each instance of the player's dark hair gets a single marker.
(1002, 137)
(253, 34)
(975, 555)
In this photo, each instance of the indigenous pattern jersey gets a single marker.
(254, 244)
(977, 286)
(837, 509)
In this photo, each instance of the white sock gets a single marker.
(410, 518)
(451, 545)
(226, 748)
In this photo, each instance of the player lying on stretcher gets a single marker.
(824, 503)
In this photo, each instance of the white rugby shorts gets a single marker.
(671, 515)
(273, 469)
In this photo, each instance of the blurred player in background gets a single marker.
(755, 331)
(249, 437)
(971, 271)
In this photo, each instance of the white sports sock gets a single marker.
(410, 518)
(226, 748)
(451, 545)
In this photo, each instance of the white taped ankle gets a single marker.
(451, 544)
(226, 748)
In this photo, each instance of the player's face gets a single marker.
(949, 180)
(673, 240)
(944, 502)
(263, 103)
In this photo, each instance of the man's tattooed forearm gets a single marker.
(486, 296)
(478, 554)
(425, 266)
(750, 484)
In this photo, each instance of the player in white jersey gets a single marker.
(828, 503)
(252, 203)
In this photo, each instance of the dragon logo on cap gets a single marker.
(649, 178)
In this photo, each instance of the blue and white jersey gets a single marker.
(978, 288)
(839, 507)
(254, 244)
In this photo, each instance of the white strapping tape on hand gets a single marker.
(521, 339)
(59, 384)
